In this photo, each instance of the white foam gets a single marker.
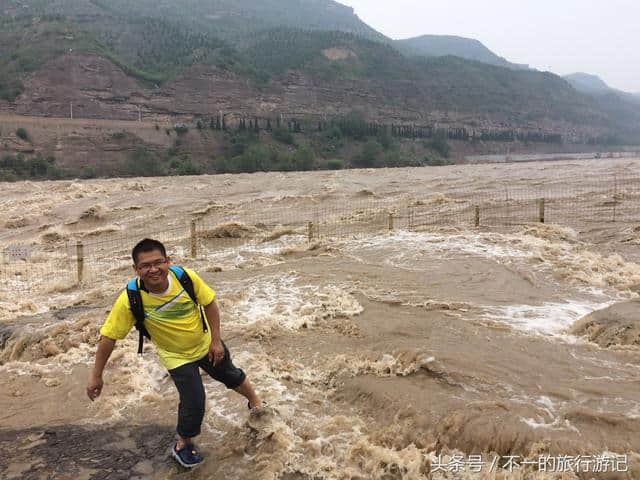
(265, 253)
(557, 424)
(280, 300)
(547, 319)
(401, 248)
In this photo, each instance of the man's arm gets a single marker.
(216, 350)
(105, 347)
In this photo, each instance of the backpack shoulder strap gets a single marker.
(186, 282)
(137, 309)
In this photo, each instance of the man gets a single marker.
(182, 339)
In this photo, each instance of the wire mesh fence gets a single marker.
(592, 200)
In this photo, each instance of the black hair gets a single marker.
(147, 245)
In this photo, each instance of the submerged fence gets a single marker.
(56, 263)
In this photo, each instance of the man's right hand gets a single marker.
(94, 387)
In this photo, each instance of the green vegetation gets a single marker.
(31, 44)
(184, 165)
(276, 51)
(180, 128)
(320, 42)
(304, 158)
(233, 20)
(38, 167)
(436, 161)
(143, 163)
(335, 164)
(259, 41)
(283, 135)
(440, 145)
(442, 45)
(23, 134)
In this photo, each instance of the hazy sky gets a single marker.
(600, 37)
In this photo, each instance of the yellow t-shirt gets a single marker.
(171, 318)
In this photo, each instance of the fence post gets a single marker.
(410, 215)
(615, 195)
(477, 216)
(541, 210)
(194, 240)
(391, 221)
(80, 261)
(309, 231)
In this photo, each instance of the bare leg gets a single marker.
(246, 390)
(182, 442)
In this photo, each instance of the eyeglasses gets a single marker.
(145, 267)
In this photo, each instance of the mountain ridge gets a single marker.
(443, 45)
(587, 82)
(161, 52)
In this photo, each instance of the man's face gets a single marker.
(152, 267)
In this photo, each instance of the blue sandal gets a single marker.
(188, 456)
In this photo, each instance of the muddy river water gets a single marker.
(448, 351)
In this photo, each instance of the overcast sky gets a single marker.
(600, 37)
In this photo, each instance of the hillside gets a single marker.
(587, 83)
(226, 19)
(443, 45)
(224, 69)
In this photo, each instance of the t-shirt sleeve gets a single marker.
(120, 320)
(204, 293)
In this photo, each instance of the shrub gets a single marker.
(283, 135)
(394, 159)
(180, 128)
(334, 132)
(384, 138)
(304, 158)
(88, 171)
(253, 159)
(436, 161)
(222, 165)
(440, 145)
(368, 157)
(241, 141)
(22, 133)
(143, 163)
(186, 166)
(335, 164)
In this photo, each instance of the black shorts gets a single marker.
(192, 395)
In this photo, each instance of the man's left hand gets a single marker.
(216, 352)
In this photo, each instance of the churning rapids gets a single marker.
(445, 352)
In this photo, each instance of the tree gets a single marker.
(283, 135)
(440, 145)
(143, 163)
(368, 156)
(384, 138)
(304, 158)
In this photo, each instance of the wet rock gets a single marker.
(616, 325)
(5, 333)
(71, 450)
(144, 467)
